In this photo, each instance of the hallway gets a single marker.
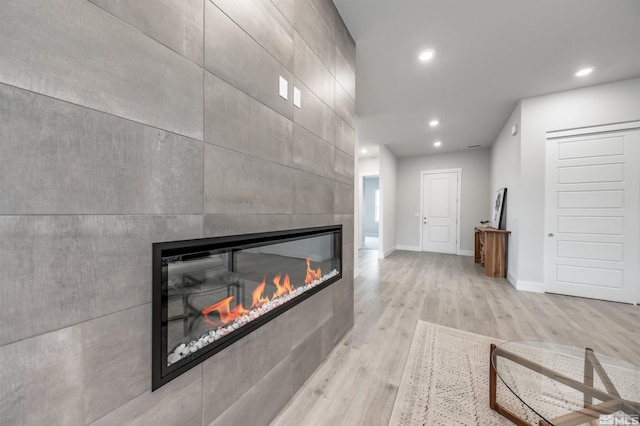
(358, 382)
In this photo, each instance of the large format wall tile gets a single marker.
(311, 220)
(316, 31)
(178, 403)
(345, 75)
(345, 107)
(314, 115)
(236, 183)
(345, 136)
(347, 267)
(343, 201)
(287, 8)
(238, 368)
(312, 194)
(227, 116)
(218, 225)
(343, 298)
(263, 21)
(311, 153)
(345, 42)
(261, 403)
(347, 230)
(73, 50)
(312, 72)
(309, 315)
(308, 355)
(231, 54)
(343, 315)
(116, 364)
(236, 121)
(81, 161)
(41, 377)
(67, 269)
(343, 167)
(176, 24)
(327, 13)
(116, 116)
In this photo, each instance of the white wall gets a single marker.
(388, 178)
(357, 207)
(475, 165)
(369, 166)
(597, 105)
(364, 167)
(505, 173)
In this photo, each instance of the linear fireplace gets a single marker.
(208, 293)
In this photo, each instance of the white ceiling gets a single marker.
(489, 55)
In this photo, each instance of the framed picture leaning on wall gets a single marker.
(498, 206)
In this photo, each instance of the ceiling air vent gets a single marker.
(474, 146)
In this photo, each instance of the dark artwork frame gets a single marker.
(498, 208)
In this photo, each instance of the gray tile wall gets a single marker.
(131, 122)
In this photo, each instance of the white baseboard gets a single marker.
(386, 253)
(530, 286)
(418, 248)
(512, 280)
(408, 248)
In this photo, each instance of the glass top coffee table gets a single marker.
(565, 385)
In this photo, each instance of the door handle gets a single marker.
(549, 234)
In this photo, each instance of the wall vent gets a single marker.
(474, 146)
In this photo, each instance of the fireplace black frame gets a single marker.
(159, 376)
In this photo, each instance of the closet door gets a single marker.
(592, 215)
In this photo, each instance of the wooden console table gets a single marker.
(490, 250)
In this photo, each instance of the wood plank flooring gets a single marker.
(358, 383)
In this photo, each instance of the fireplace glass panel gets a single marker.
(218, 290)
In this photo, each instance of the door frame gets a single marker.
(361, 202)
(423, 173)
(559, 134)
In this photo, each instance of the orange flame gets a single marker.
(311, 274)
(226, 315)
(282, 289)
(258, 299)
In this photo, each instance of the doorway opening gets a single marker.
(370, 213)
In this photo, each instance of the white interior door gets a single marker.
(439, 212)
(592, 197)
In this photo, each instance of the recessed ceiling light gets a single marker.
(363, 150)
(434, 123)
(584, 71)
(425, 55)
(437, 143)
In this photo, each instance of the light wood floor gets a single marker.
(358, 382)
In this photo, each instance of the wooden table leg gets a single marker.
(492, 380)
(495, 406)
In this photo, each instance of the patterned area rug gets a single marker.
(446, 381)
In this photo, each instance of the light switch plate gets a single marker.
(296, 96)
(283, 89)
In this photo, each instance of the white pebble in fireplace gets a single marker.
(193, 346)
